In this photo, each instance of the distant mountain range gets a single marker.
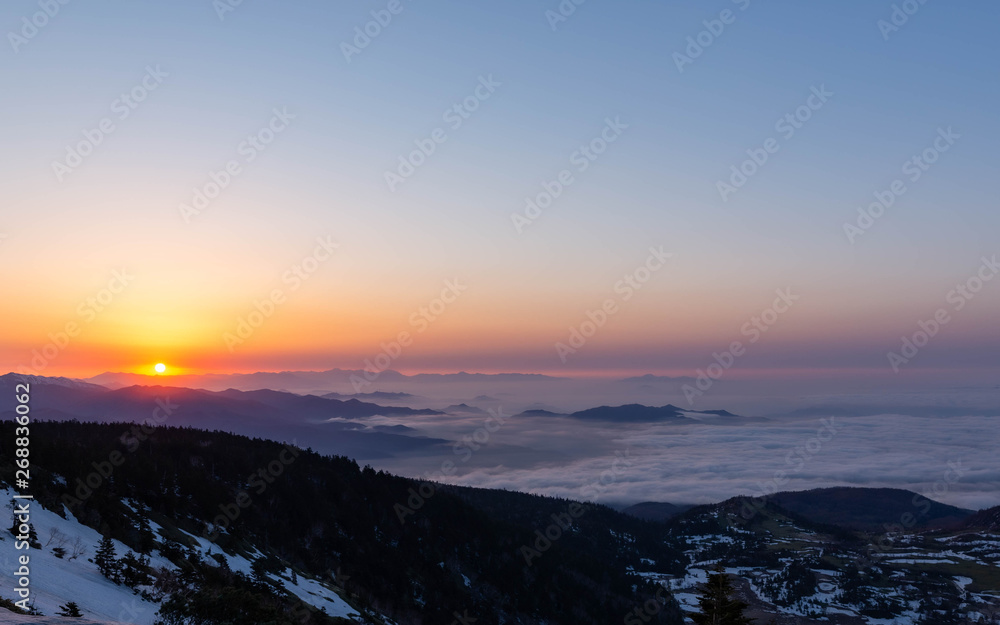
(92, 401)
(631, 413)
(383, 395)
(465, 409)
(649, 378)
(99, 398)
(329, 425)
(303, 381)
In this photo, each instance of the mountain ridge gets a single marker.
(333, 380)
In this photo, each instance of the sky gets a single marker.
(500, 186)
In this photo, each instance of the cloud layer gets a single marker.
(950, 459)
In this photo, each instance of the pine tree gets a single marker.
(718, 605)
(135, 571)
(259, 572)
(70, 609)
(130, 570)
(106, 559)
(147, 539)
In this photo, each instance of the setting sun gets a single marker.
(160, 367)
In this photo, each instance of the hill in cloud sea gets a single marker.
(654, 510)
(871, 509)
(631, 413)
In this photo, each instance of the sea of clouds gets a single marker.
(925, 443)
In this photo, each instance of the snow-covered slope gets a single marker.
(56, 581)
(6, 616)
(309, 591)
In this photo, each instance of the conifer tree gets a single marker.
(106, 559)
(130, 571)
(718, 604)
(70, 609)
(259, 572)
(147, 539)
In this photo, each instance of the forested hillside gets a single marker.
(328, 518)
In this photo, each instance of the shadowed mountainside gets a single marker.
(871, 509)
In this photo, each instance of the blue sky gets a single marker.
(655, 185)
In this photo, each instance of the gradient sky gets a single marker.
(654, 186)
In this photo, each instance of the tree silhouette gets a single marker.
(107, 560)
(70, 609)
(135, 571)
(718, 605)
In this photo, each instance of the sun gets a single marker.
(160, 367)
